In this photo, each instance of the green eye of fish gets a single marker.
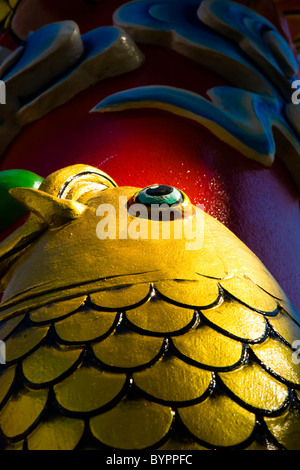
(159, 194)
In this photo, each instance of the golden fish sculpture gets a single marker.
(120, 336)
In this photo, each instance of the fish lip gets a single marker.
(67, 287)
(13, 300)
(18, 303)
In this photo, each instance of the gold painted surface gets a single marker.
(56, 310)
(23, 341)
(48, 363)
(209, 347)
(6, 379)
(8, 326)
(237, 320)
(88, 389)
(263, 279)
(290, 310)
(64, 182)
(48, 208)
(59, 433)
(121, 297)
(278, 358)
(84, 326)
(120, 350)
(132, 424)
(286, 429)
(258, 446)
(219, 421)
(285, 327)
(159, 316)
(256, 387)
(26, 407)
(164, 380)
(6, 10)
(200, 293)
(250, 294)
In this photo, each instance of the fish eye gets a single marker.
(159, 194)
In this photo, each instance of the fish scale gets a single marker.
(100, 381)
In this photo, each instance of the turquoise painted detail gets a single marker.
(34, 46)
(248, 24)
(98, 40)
(245, 47)
(159, 194)
(63, 63)
(38, 43)
(246, 116)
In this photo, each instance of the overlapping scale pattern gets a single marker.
(170, 365)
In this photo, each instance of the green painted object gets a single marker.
(10, 209)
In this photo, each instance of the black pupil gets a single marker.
(161, 190)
